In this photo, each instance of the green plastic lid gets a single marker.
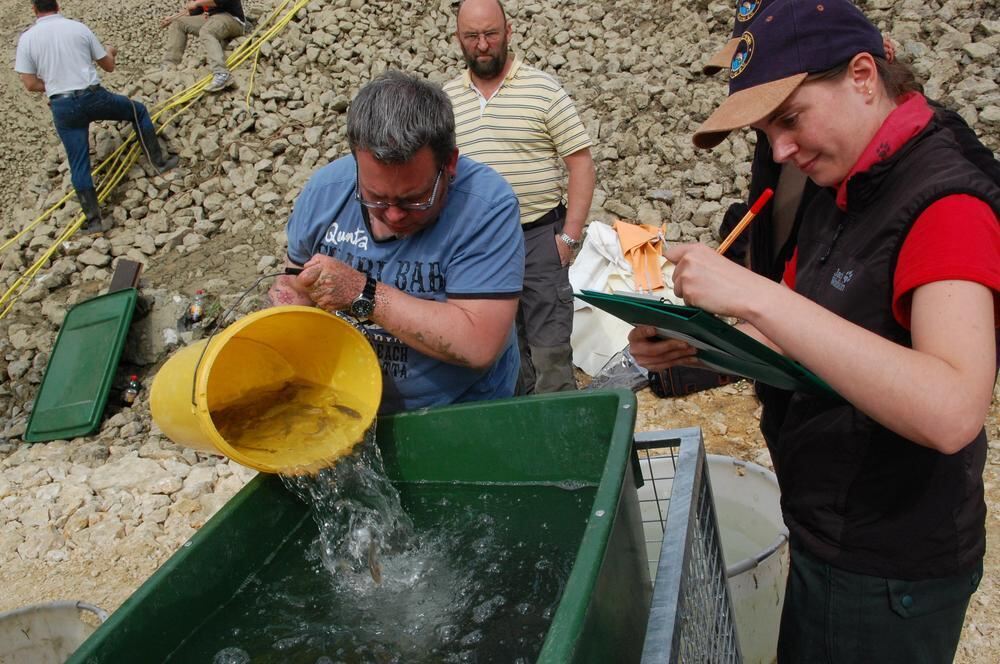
(77, 381)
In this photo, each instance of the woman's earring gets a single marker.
(869, 91)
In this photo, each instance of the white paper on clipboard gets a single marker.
(701, 345)
(697, 343)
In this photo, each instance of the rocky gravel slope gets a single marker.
(90, 518)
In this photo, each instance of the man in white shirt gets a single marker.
(56, 56)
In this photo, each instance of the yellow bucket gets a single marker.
(285, 390)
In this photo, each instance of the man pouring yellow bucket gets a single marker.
(421, 246)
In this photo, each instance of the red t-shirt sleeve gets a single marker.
(789, 276)
(957, 237)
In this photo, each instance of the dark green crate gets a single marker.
(575, 437)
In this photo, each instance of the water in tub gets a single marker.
(443, 573)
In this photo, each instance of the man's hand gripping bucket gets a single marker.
(285, 390)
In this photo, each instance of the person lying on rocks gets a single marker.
(891, 297)
(420, 245)
(215, 22)
(56, 56)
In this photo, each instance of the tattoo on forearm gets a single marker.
(443, 348)
(282, 293)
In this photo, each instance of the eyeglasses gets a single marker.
(402, 205)
(491, 37)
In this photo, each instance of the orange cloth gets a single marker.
(641, 247)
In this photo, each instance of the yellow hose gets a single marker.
(118, 163)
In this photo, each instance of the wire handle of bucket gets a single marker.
(217, 323)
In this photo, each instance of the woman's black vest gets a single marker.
(765, 260)
(854, 493)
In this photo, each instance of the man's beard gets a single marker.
(491, 68)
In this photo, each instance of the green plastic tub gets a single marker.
(559, 442)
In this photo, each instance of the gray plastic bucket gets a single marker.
(45, 633)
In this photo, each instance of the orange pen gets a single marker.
(747, 218)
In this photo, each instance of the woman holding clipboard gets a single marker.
(891, 297)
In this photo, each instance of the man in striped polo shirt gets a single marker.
(521, 122)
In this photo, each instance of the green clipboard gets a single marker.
(721, 346)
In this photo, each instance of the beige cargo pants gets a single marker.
(213, 31)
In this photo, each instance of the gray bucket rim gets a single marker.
(749, 563)
(101, 614)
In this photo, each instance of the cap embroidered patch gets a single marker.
(785, 42)
(745, 10)
(741, 58)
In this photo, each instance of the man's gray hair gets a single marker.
(396, 114)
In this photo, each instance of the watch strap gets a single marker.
(363, 305)
(369, 290)
(570, 242)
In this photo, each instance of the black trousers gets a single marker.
(833, 616)
(545, 315)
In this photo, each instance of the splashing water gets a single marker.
(231, 656)
(467, 572)
(356, 509)
(480, 581)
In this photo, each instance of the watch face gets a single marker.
(362, 308)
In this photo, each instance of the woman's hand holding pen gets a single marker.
(705, 279)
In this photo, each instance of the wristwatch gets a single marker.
(570, 242)
(364, 305)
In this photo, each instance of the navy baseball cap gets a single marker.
(746, 12)
(786, 42)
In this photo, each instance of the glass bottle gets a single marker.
(196, 310)
(131, 391)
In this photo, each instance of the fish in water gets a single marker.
(373, 565)
(347, 410)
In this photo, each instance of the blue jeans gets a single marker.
(72, 116)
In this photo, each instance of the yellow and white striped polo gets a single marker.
(523, 131)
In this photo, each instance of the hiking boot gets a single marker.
(91, 210)
(151, 146)
(220, 81)
(92, 227)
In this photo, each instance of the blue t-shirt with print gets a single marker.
(475, 249)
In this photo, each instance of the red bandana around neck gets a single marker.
(908, 119)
